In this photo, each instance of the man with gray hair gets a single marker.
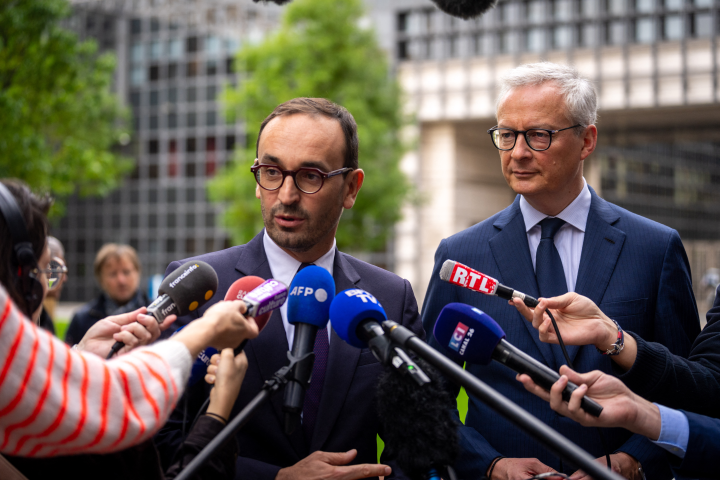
(560, 236)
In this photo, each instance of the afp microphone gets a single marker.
(183, 291)
(464, 276)
(470, 335)
(356, 316)
(311, 293)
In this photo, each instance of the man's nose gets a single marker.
(521, 150)
(288, 192)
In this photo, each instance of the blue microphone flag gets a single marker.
(467, 333)
(311, 293)
(351, 307)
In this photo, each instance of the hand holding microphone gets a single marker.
(469, 334)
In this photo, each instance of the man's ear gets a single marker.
(257, 191)
(353, 184)
(589, 141)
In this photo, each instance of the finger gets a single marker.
(556, 401)
(210, 379)
(578, 378)
(169, 320)
(539, 314)
(212, 370)
(252, 329)
(533, 387)
(578, 475)
(127, 318)
(576, 398)
(364, 470)
(215, 359)
(150, 325)
(339, 458)
(558, 303)
(241, 361)
(139, 330)
(127, 338)
(522, 308)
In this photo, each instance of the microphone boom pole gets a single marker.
(531, 425)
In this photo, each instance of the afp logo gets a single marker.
(458, 336)
(320, 293)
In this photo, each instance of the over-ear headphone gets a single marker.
(23, 259)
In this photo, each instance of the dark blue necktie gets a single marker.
(314, 390)
(548, 266)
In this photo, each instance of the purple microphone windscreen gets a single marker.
(467, 333)
(351, 307)
(311, 293)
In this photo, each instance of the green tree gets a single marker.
(320, 50)
(59, 120)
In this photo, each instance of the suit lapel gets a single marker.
(512, 255)
(601, 249)
(269, 350)
(342, 361)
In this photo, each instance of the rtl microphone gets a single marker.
(469, 334)
(464, 276)
(183, 291)
(261, 297)
(311, 293)
(356, 316)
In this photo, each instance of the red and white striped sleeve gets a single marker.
(57, 401)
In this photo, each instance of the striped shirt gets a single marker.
(57, 401)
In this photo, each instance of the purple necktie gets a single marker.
(312, 395)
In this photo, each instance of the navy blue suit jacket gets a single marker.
(346, 416)
(635, 269)
(703, 449)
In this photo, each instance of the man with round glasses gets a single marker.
(560, 236)
(307, 173)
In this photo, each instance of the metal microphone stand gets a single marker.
(530, 424)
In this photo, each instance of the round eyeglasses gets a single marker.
(537, 139)
(54, 273)
(307, 180)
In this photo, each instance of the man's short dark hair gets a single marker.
(34, 211)
(320, 106)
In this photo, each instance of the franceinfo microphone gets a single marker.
(356, 316)
(183, 291)
(470, 335)
(464, 276)
(311, 293)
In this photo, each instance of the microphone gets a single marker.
(425, 444)
(470, 335)
(311, 293)
(464, 276)
(356, 315)
(185, 290)
(261, 297)
(464, 9)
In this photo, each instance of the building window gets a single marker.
(230, 143)
(154, 25)
(210, 118)
(645, 6)
(674, 4)
(190, 195)
(174, 47)
(135, 26)
(402, 21)
(172, 161)
(170, 245)
(137, 52)
(172, 120)
(190, 245)
(191, 119)
(172, 70)
(192, 69)
(673, 27)
(616, 32)
(702, 25)
(154, 97)
(190, 220)
(562, 10)
(212, 45)
(153, 122)
(155, 49)
(190, 169)
(644, 30)
(154, 73)
(562, 37)
(172, 95)
(535, 11)
(617, 7)
(211, 68)
(193, 44)
(137, 75)
(135, 99)
(190, 145)
(535, 40)
(402, 50)
(153, 147)
(191, 95)
(509, 42)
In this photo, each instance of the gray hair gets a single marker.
(579, 92)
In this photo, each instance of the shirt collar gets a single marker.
(575, 214)
(284, 267)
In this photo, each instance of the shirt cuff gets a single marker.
(674, 431)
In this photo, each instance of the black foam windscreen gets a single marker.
(465, 9)
(279, 2)
(419, 430)
(190, 286)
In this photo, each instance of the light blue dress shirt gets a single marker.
(569, 239)
(674, 431)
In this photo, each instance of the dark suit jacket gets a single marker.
(703, 449)
(346, 417)
(636, 270)
(691, 383)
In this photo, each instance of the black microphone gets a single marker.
(356, 315)
(464, 9)
(469, 334)
(419, 429)
(311, 293)
(183, 291)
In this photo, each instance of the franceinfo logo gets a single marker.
(187, 272)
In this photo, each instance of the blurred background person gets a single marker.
(117, 270)
(57, 264)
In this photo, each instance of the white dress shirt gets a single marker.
(284, 267)
(569, 239)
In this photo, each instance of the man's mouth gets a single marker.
(288, 221)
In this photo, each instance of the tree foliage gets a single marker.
(59, 119)
(320, 50)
